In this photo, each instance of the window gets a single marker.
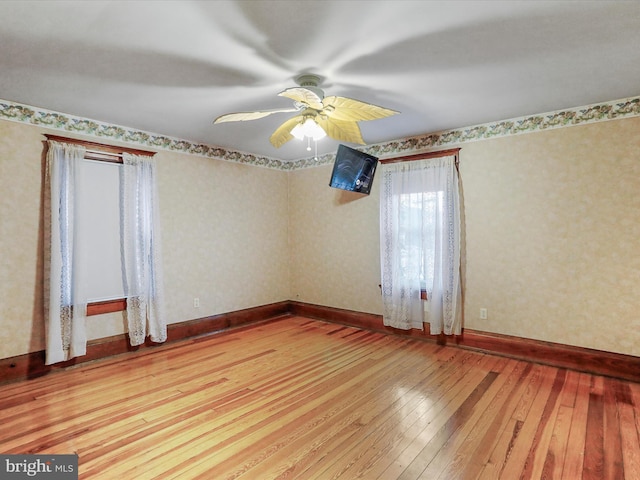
(98, 234)
(98, 224)
(426, 208)
(420, 242)
(75, 274)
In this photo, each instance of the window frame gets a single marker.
(423, 156)
(112, 154)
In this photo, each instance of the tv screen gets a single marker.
(353, 170)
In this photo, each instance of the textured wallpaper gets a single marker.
(224, 239)
(552, 222)
(335, 246)
(225, 235)
(553, 235)
(21, 172)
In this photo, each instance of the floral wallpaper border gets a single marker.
(628, 107)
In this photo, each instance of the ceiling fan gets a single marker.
(318, 115)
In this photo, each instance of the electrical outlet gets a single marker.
(483, 313)
(196, 302)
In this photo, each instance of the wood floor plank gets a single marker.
(613, 462)
(557, 443)
(284, 401)
(459, 397)
(536, 459)
(358, 457)
(629, 436)
(469, 434)
(556, 452)
(575, 448)
(303, 410)
(594, 446)
(347, 422)
(436, 399)
(303, 399)
(473, 451)
(511, 425)
(419, 468)
(496, 424)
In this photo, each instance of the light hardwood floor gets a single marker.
(299, 398)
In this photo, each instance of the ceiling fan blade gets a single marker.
(348, 109)
(343, 130)
(283, 133)
(244, 116)
(303, 95)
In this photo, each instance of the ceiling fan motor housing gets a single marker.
(311, 82)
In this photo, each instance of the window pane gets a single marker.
(419, 213)
(98, 230)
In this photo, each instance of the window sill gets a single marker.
(423, 293)
(106, 306)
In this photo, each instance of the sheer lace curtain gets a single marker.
(65, 301)
(64, 306)
(420, 244)
(142, 251)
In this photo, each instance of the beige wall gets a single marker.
(224, 238)
(335, 245)
(552, 223)
(21, 175)
(225, 235)
(553, 235)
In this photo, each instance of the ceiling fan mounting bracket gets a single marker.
(308, 80)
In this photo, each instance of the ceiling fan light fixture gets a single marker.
(318, 116)
(308, 128)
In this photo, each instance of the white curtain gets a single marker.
(420, 244)
(142, 251)
(65, 308)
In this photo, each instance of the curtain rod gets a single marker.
(106, 157)
(100, 148)
(119, 155)
(422, 156)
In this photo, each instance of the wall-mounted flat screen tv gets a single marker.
(353, 170)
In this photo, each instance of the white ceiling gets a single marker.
(171, 67)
